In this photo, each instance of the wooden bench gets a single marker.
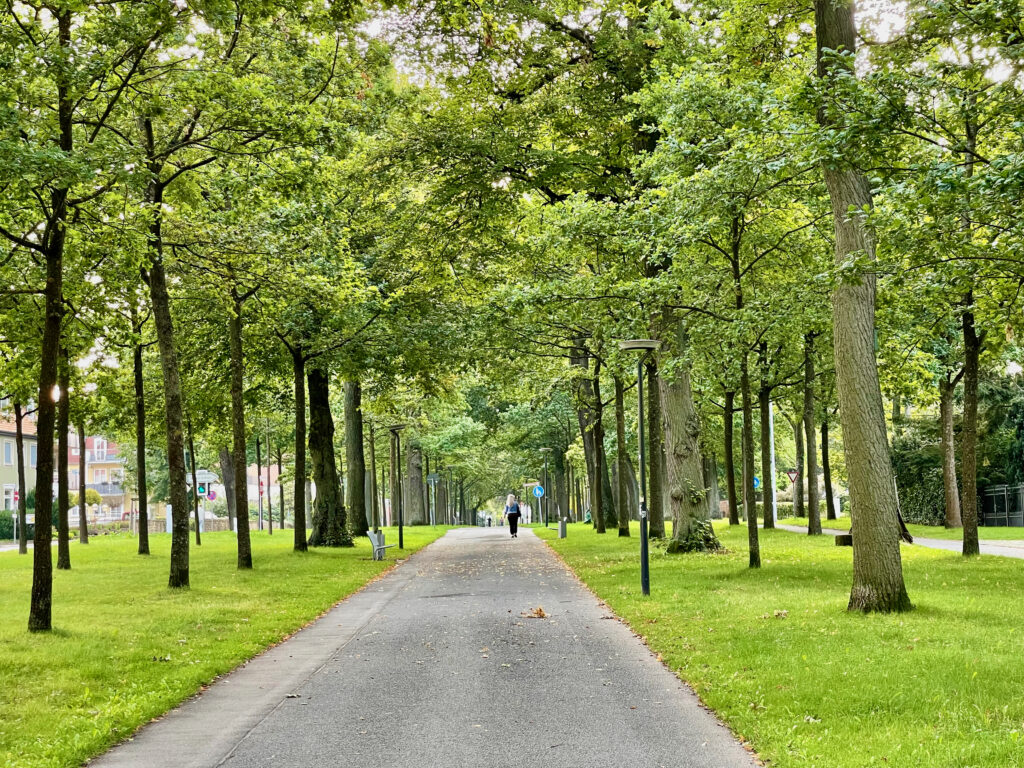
(377, 540)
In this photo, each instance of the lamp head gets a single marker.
(639, 345)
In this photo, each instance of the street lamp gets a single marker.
(544, 484)
(644, 347)
(395, 430)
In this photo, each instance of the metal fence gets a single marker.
(1002, 505)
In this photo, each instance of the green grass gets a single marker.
(999, 533)
(125, 649)
(777, 656)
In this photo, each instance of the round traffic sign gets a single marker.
(212, 496)
(757, 483)
(538, 491)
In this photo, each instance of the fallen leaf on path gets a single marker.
(535, 613)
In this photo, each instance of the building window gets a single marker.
(32, 455)
(8, 497)
(99, 475)
(99, 446)
(116, 475)
(73, 479)
(8, 453)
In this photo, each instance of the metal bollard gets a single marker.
(562, 528)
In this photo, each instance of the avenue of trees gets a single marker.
(307, 222)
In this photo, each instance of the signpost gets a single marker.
(211, 495)
(538, 491)
(792, 475)
(757, 482)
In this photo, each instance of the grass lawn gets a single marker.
(777, 656)
(125, 649)
(999, 533)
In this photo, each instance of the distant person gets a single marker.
(512, 513)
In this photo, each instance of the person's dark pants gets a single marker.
(513, 523)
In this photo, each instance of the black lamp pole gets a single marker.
(644, 346)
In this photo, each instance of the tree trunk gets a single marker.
(949, 484)
(374, 500)
(195, 482)
(19, 444)
(747, 439)
(764, 399)
(877, 566)
(730, 461)
(830, 498)
(328, 528)
(587, 402)
(299, 491)
(656, 452)
(691, 526)
(280, 484)
(63, 497)
(394, 479)
(355, 459)
(622, 495)
(269, 491)
(227, 472)
(40, 606)
(969, 436)
(161, 303)
(259, 483)
(810, 437)
(83, 520)
(798, 485)
(711, 484)
(239, 458)
(561, 484)
(414, 474)
(140, 444)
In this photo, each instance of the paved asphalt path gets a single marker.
(438, 664)
(1009, 548)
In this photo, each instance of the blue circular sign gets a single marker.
(757, 483)
(538, 491)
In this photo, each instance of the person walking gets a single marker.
(512, 513)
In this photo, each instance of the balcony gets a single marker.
(106, 489)
(102, 455)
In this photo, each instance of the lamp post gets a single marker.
(544, 484)
(395, 430)
(644, 347)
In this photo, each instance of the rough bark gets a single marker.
(656, 452)
(730, 461)
(239, 459)
(830, 497)
(63, 497)
(83, 521)
(328, 527)
(949, 483)
(877, 566)
(747, 439)
(561, 484)
(691, 519)
(810, 439)
(140, 445)
(19, 444)
(969, 435)
(40, 605)
(280, 483)
(355, 458)
(621, 474)
(711, 483)
(299, 491)
(161, 303)
(764, 399)
(414, 475)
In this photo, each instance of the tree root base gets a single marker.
(700, 538)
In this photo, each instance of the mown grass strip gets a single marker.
(999, 533)
(125, 649)
(777, 656)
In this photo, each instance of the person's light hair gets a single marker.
(511, 500)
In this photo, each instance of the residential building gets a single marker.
(9, 455)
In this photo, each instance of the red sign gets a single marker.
(792, 475)
(16, 497)
(261, 487)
